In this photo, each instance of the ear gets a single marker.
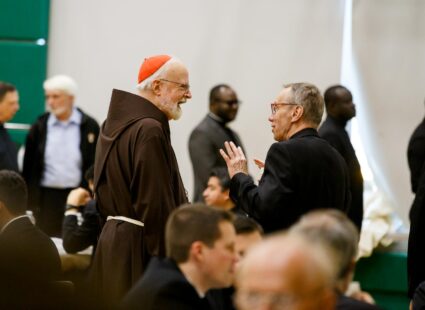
(156, 87)
(297, 113)
(226, 194)
(196, 250)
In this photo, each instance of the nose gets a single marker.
(271, 118)
(188, 94)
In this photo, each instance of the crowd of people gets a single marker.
(289, 241)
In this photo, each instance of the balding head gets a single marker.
(285, 271)
(333, 230)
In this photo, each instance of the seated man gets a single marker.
(78, 237)
(248, 233)
(217, 192)
(200, 246)
(335, 232)
(29, 261)
(285, 272)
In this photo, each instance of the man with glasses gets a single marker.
(210, 134)
(136, 178)
(302, 171)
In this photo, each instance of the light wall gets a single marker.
(255, 46)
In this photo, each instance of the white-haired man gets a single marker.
(137, 180)
(60, 146)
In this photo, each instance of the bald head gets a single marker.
(283, 271)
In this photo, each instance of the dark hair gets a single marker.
(222, 175)
(191, 223)
(89, 174)
(330, 94)
(13, 192)
(215, 91)
(5, 88)
(245, 225)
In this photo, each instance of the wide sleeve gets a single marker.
(152, 187)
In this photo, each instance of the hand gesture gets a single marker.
(234, 158)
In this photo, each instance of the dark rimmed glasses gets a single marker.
(274, 106)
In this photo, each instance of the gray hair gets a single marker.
(61, 82)
(147, 83)
(334, 230)
(309, 97)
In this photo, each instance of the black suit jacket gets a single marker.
(78, 237)
(334, 132)
(300, 174)
(29, 262)
(164, 287)
(416, 155)
(204, 144)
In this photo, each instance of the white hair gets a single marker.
(61, 82)
(147, 83)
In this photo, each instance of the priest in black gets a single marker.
(302, 171)
(340, 109)
(9, 105)
(210, 134)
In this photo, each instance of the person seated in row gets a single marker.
(336, 233)
(285, 271)
(216, 194)
(200, 247)
(29, 260)
(248, 233)
(80, 201)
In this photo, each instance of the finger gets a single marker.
(229, 150)
(224, 155)
(241, 154)
(234, 147)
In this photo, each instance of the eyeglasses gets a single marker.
(230, 102)
(185, 87)
(274, 106)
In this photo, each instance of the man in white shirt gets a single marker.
(59, 148)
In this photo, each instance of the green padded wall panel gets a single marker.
(24, 65)
(24, 28)
(24, 19)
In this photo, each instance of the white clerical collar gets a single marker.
(12, 220)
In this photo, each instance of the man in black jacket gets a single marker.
(302, 171)
(200, 244)
(59, 148)
(340, 109)
(29, 260)
(209, 135)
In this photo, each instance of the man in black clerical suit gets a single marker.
(29, 260)
(302, 171)
(210, 134)
(340, 109)
(200, 244)
(9, 105)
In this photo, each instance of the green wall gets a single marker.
(23, 55)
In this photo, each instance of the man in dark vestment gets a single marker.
(210, 134)
(29, 260)
(9, 105)
(137, 179)
(201, 255)
(302, 171)
(340, 109)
